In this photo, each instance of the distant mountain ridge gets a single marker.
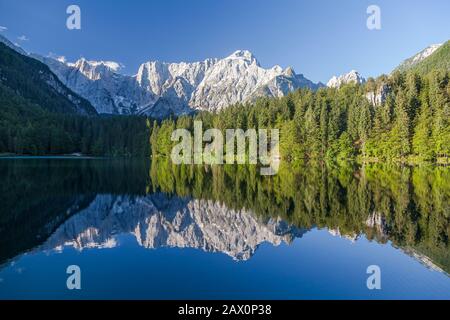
(11, 45)
(160, 89)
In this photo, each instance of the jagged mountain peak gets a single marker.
(289, 72)
(94, 70)
(240, 78)
(351, 77)
(108, 90)
(82, 62)
(214, 84)
(244, 55)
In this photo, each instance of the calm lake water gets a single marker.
(139, 230)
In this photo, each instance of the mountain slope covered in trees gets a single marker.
(411, 124)
(34, 82)
(28, 129)
(39, 115)
(438, 60)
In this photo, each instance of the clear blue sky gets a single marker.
(318, 38)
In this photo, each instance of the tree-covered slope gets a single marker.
(412, 124)
(40, 116)
(30, 81)
(438, 60)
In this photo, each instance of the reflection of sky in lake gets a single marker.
(318, 265)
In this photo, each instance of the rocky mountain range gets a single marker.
(160, 89)
(99, 82)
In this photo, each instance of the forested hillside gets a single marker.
(39, 115)
(411, 124)
(26, 128)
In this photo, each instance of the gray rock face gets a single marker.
(100, 83)
(378, 97)
(377, 221)
(159, 221)
(160, 89)
(240, 78)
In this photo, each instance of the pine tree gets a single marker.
(399, 143)
(423, 145)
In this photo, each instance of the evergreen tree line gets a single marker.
(28, 129)
(411, 124)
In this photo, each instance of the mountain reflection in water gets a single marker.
(161, 221)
